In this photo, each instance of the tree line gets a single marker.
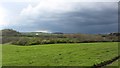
(17, 38)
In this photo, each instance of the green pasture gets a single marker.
(75, 54)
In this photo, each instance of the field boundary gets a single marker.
(104, 63)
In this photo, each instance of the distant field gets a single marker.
(80, 54)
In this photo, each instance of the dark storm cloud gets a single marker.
(100, 18)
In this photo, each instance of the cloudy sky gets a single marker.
(68, 16)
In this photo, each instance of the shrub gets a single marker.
(34, 41)
(21, 41)
(45, 42)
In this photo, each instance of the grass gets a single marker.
(0, 55)
(79, 54)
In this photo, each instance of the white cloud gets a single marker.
(3, 17)
(46, 10)
(44, 31)
(49, 8)
(65, 0)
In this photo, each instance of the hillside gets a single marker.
(10, 32)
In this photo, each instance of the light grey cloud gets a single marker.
(69, 17)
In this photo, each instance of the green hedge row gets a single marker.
(53, 39)
(36, 41)
(25, 41)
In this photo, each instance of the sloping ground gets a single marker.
(82, 54)
(106, 63)
(114, 63)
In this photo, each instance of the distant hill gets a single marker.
(115, 34)
(10, 32)
(58, 33)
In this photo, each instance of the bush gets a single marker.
(45, 42)
(21, 41)
(34, 41)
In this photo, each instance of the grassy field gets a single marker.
(79, 54)
(0, 55)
